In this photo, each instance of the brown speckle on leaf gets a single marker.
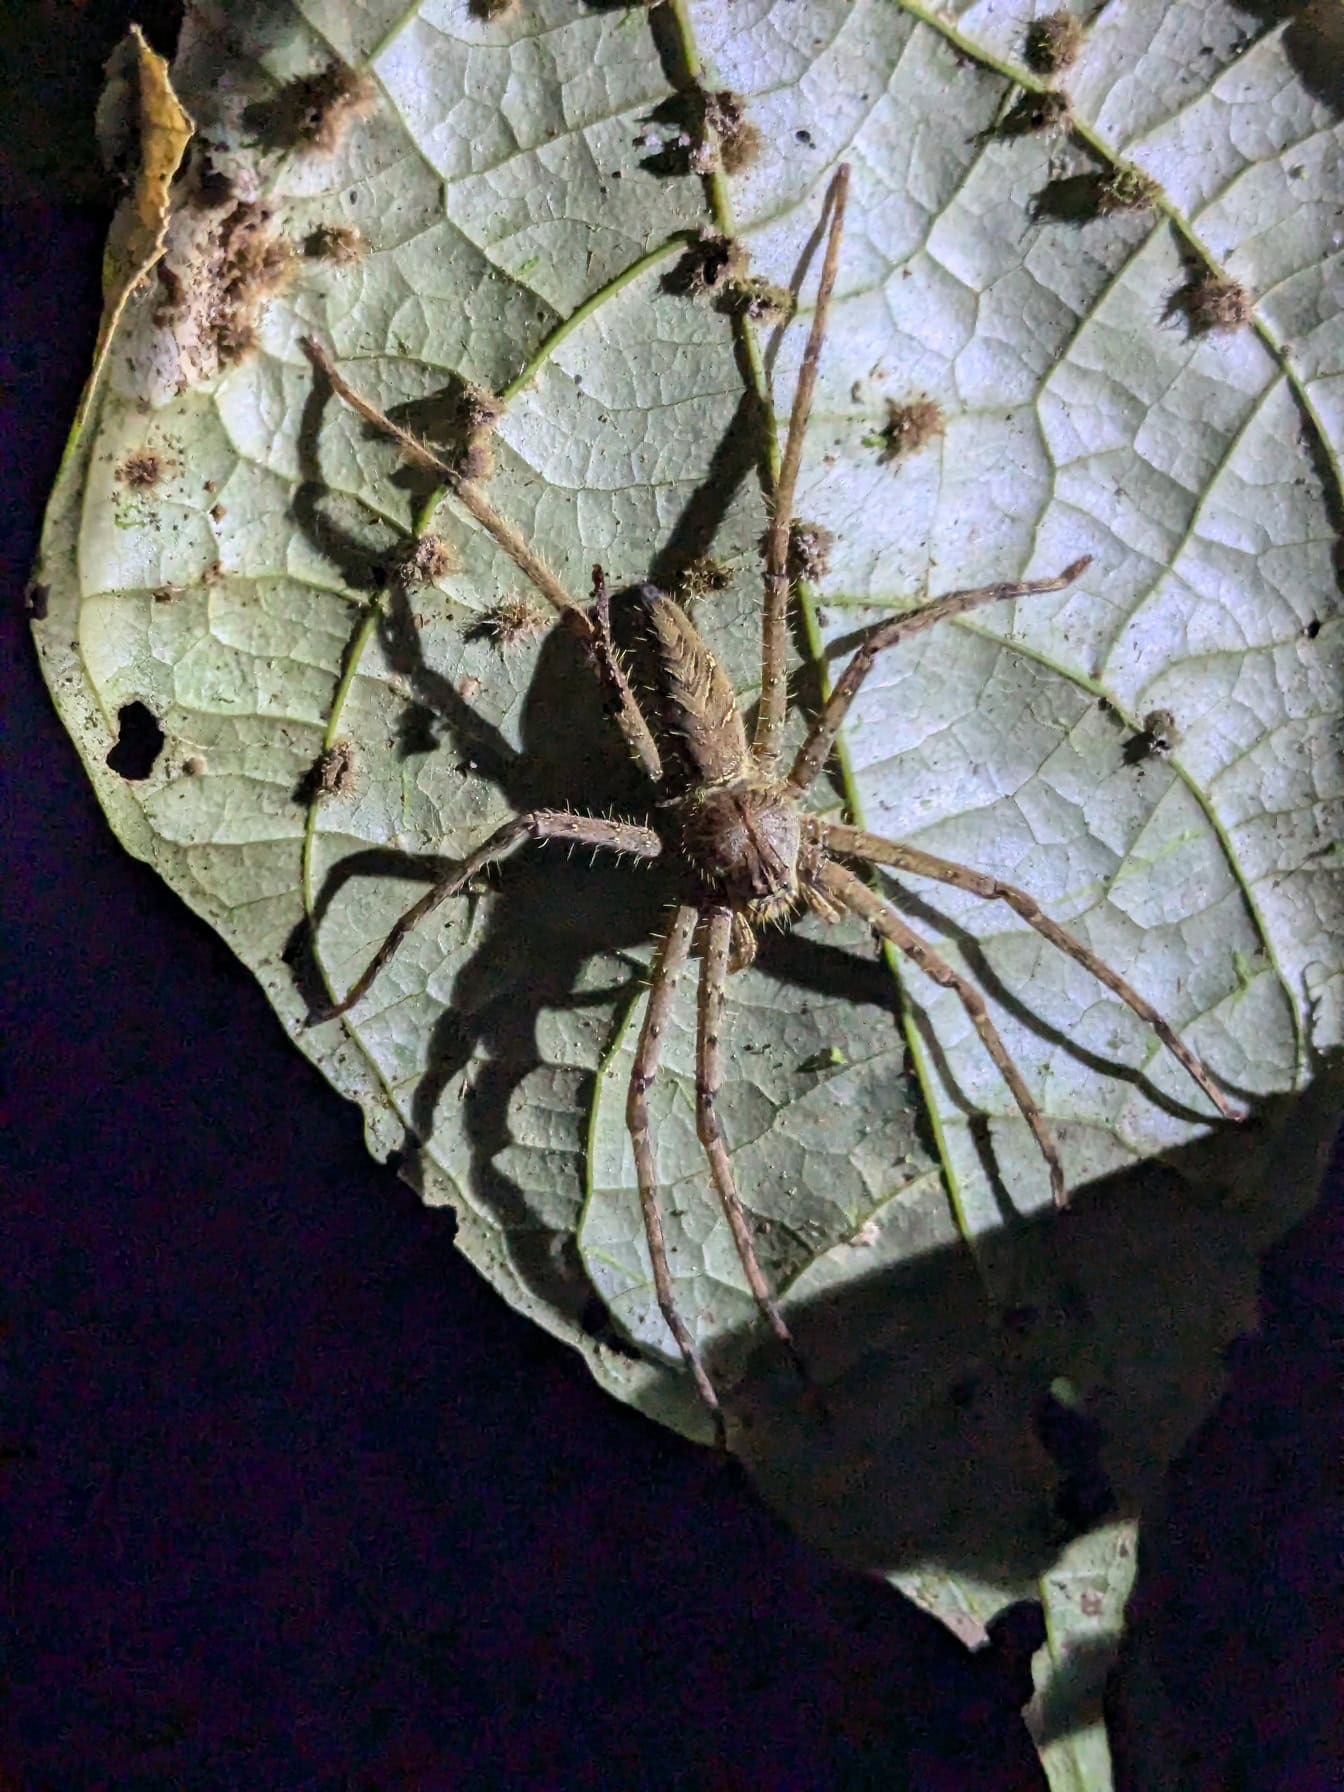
(1053, 43)
(218, 513)
(909, 427)
(1211, 301)
(427, 560)
(141, 469)
(340, 244)
(193, 767)
(511, 620)
(491, 9)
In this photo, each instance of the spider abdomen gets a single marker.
(741, 842)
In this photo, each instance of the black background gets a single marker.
(292, 1499)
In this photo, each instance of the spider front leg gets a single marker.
(667, 967)
(851, 893)
(774, 684)
(539, 824)
(816, 748)
(876, 850)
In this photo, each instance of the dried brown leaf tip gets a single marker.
(1053, 43)
(141, 470)
(702, 577)
(809, 551)
(730, 140)
(427, 560)
(909, 427)
(1036, 114)
(1125, 189)
(341, 244)
(315, 111)
(511, 620)
(1211, 301)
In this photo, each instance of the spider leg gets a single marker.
(672, 955)
(708, 1082)
(925, 864)
(774, 689)
(539, 824)
(595, 634)
(855, 895)
(816, 749)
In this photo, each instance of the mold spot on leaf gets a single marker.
(141, 469)
(340, 244)
(316, 111)
(139, 742)
(1053, 43)
(1036, 114)
(1210, 301)
(908, 428)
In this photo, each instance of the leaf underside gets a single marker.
(1153, 753)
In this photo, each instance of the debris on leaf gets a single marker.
(732, 141)
(1125, 189)
(830, 1058)
(909, 427)
(338, 243)
(140, 470)
(511, 620)
(491, 9)
(1211, 301)
(1155, 740)
(214, 292)
(332, 772)
(757, 298)
(1036, 114)
(315, 111)
(702, 576)
(427, 560)
(710, 265)
(1053, 43)
(809, 551)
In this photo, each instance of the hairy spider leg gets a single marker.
(855, 843)
(538, 824)
(593, 631)
(774, 679)
(855, 895)
(667, 966)
(708, 1083)
(816, 749)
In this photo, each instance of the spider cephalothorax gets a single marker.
(737, 831)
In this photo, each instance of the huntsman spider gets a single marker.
(734, 824)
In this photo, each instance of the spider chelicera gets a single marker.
(735, 825)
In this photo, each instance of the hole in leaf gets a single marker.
(139, 742)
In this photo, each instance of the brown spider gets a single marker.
(747, 849)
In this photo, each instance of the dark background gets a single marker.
(291, 1499)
